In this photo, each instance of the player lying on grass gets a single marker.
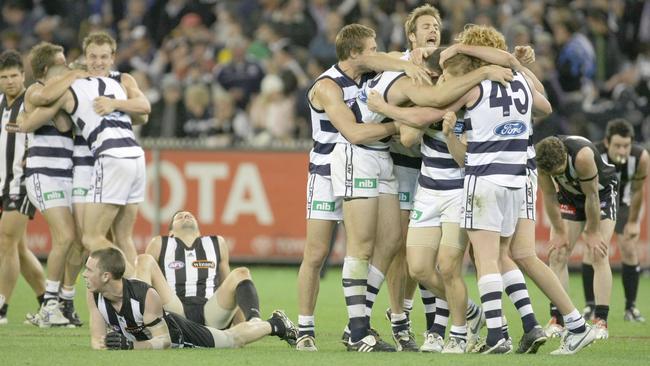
(128, 314)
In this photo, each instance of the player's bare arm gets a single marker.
(380, 61)
(54, 88)
(457, 147)
(328, 96)
(632, 228)
(541, 105)
(29, 122)
(224, 262)
(136, 105)
(97, 324)
(587, 172)
(450, 90)
(409, 136)
(559, 236)
(153, 248)
(155, 324)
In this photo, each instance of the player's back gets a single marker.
(498, 128)
(111, 134)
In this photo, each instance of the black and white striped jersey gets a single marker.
(129, 320)
(191, 271)
(625, 172)
(12, 150)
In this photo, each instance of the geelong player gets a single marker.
(329, 98)
(133, 313)
(191, 273)
(118, 178)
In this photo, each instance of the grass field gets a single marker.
(21, 344)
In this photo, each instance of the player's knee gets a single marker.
(419, 272)
(8, 245)
(241, 274)
(448, 270)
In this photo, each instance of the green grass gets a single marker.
(27, 345)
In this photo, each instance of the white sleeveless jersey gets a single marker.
(111, 134)
(324, 134)
(381, 84)
(439, 170)
(498, 127)
(81, 153)
(409, 157)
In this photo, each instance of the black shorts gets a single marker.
(572, 206)
(193, 308)
(188, 334)
(19, 203)
(622, 214)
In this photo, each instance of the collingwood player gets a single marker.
(631, 162)
(585, 203)
(16, 207)
(192, 275)
(133, 311)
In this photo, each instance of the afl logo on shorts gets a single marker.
(203, 264)
(511, 128)
(176, 265)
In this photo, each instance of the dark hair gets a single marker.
(433, 61)
(171, 221)
(619, 126)
(110, 260)
(9, 59)
(551, 154)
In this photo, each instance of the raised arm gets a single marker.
(457, 148)
(541, 105)
(452, 89)
(329, 96)
(55, 87)
(380, 61)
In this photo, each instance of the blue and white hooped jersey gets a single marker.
(381, 84)
(498, 131)
(439, 170)
(49, 152)
(324, 134)
(110, 135)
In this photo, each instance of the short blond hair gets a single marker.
(351, 39)
(461, 64)
(410, 24)
(42, 56)
(99, 38)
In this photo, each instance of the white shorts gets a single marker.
(117, 181)
(432, 208)
(489, 206)
(47, 192)
(361, 172)
(527, 210)
(321, 203)
(407, 181)
(81, 178)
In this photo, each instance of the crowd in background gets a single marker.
(231, 72)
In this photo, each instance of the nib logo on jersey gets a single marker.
(510, 128)
(404, 196)
(55, 195)
(367, 183)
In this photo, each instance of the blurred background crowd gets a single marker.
(228, 73)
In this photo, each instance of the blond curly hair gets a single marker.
(482, 35)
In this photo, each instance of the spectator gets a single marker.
(198, 121)
(272, 113)
(167, 114)
(240, 76)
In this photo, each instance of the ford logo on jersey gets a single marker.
(511, 128)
